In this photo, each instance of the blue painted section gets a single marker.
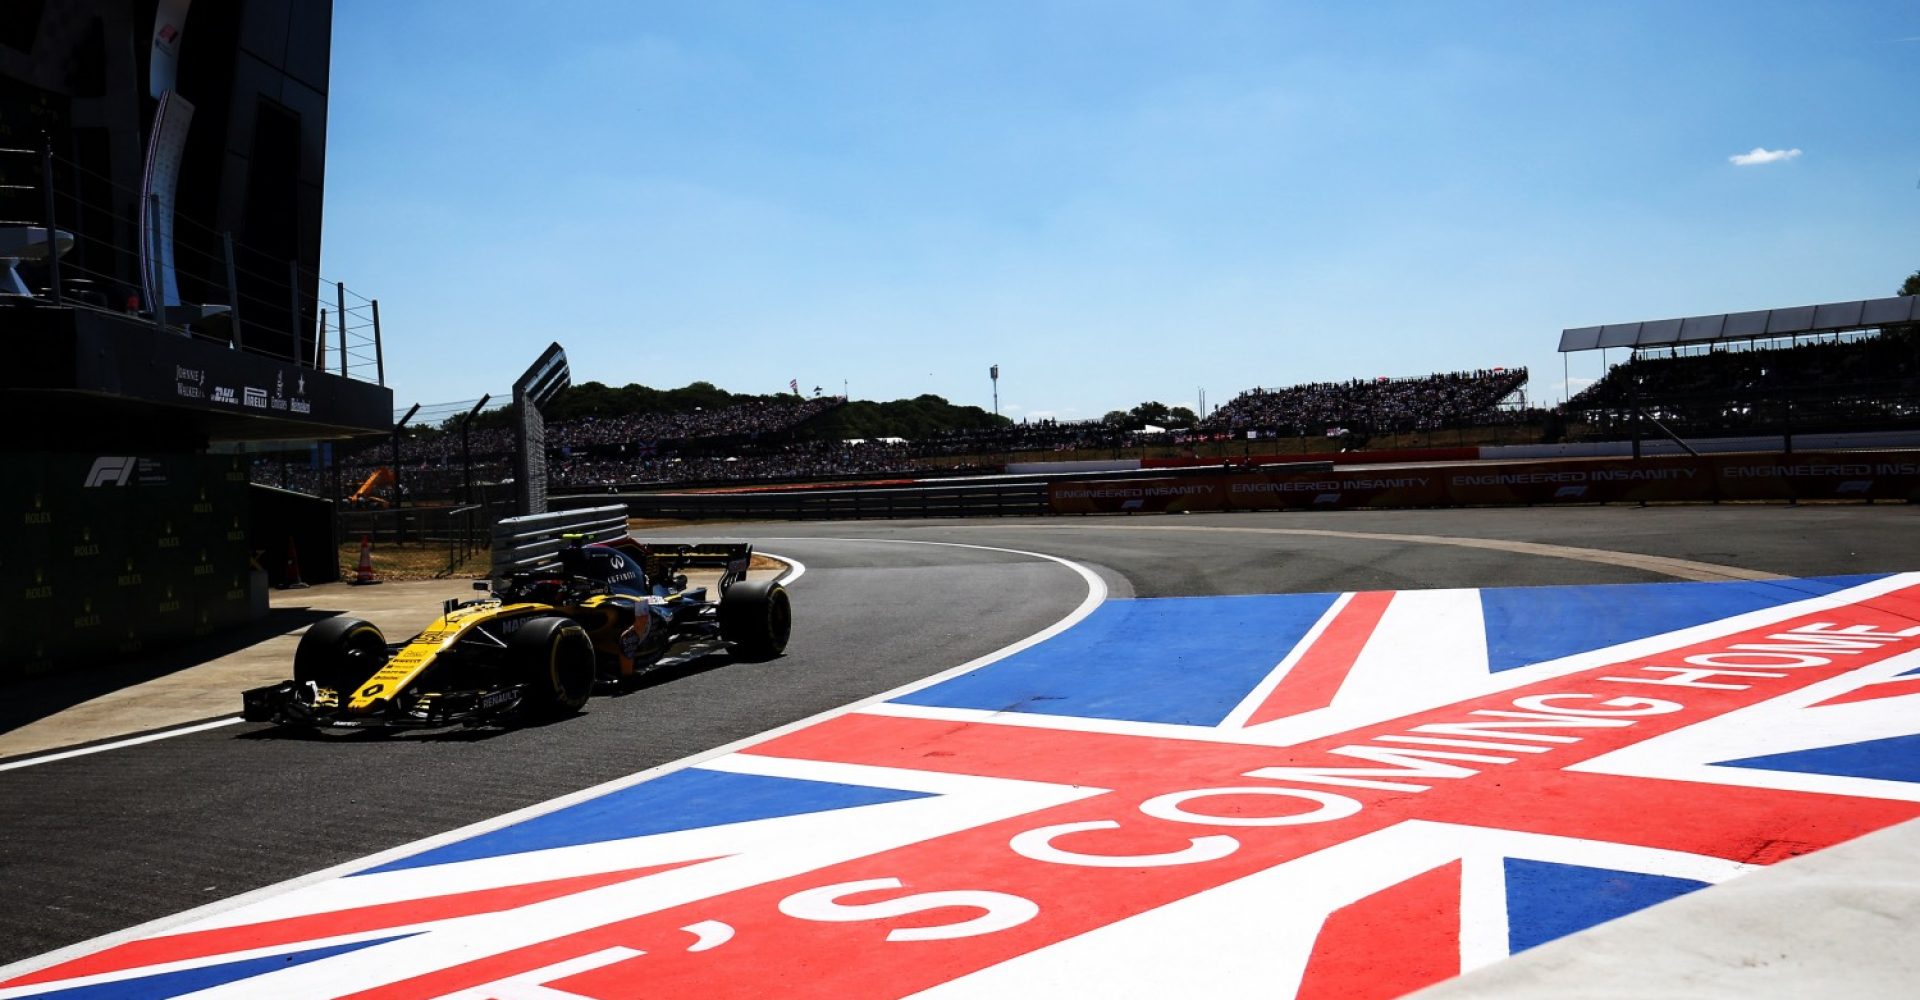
(173, 984)
(1183, 660)
(1547, 900)
(1894, 759)
(1527, 625)
(681, 800)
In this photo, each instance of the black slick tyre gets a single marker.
(756, 617)
(554, 658)
(339, 654)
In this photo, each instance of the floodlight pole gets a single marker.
(994, 374)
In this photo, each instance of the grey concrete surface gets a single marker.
(1837, 923)
(96, 843)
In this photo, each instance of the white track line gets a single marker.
(117, 744)
(795, 568)
(1096, 593)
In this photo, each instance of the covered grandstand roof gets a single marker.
(1834, 317)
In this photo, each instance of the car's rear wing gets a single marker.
(733, 559)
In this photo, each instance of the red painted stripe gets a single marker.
(1893, 688)
(1316, 677)
(293, 930)
(1390, 943)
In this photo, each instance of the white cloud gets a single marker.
(1762, 155)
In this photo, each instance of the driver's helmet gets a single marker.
(573, 557)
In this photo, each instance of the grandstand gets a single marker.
(1441, 401)
(1838, 367)
(1869, 381)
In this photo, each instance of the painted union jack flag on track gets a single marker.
(1310, 795)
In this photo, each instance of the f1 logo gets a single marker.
(110, 471)
(1569, 492)
(1861, 486)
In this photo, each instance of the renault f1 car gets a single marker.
(536, 646)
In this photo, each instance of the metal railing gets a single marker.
(81, 244)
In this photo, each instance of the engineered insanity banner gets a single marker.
(1805, 476)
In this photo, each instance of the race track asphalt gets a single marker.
(97, 843)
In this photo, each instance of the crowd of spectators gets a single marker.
(1838, 383)
(766, 439)
(1432, 402)
(793, 460)
(1859, 380)
(750, 419)
(1036, 435)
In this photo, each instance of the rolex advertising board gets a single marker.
(110, 554)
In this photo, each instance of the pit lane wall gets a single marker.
(1891, 475)
(107, 556)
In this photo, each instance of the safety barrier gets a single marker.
(989, 496)
(534, 540)
(926, 500)
(1892, 475)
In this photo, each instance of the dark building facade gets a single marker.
(154, 135)
(243, 86)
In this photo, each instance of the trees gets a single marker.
(1911, 286)
(1151, 412)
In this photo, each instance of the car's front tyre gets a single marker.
(339, 654)
(554, 658)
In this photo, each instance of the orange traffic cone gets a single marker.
(364, 574)
(292, 581)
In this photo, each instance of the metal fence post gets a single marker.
(340, 321)
(53, 240)
(320, 344)
(379, 355)
(233, 289)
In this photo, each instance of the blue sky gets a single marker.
(1113, 201)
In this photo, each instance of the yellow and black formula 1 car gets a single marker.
(536, 646)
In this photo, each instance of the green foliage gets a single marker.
(1152, 412)
(1911, 286)
(906, 418)
(593, 399)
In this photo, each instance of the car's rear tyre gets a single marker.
(756, 617)
(554, 658)
(340, 654)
